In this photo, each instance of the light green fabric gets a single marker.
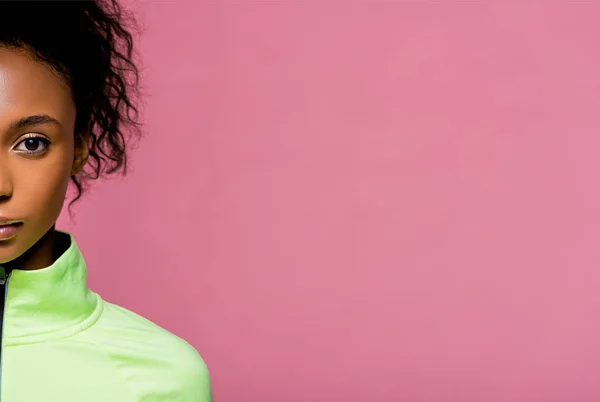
(63, 343)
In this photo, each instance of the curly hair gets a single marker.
(90, 44)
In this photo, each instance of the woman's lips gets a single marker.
(7, 231)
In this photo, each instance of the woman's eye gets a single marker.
(33, 145)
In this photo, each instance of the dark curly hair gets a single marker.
(90, 44)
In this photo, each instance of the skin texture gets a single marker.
(33, 184)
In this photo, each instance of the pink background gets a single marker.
(375, 201)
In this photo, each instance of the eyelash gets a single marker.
(40, 139)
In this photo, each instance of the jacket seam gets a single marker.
(115, 365)
(88, 322)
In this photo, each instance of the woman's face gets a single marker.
(37, 155)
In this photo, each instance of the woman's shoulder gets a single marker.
(142, 349)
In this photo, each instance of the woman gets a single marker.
(66, 113)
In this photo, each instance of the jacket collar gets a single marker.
(49, 302)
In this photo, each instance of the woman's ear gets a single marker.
(82, 152)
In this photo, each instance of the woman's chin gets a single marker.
(9, 251)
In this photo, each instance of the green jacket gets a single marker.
(62, 343)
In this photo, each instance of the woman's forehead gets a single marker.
(29, 87)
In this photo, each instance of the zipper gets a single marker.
(3, 293)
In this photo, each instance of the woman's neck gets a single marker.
(43, 253)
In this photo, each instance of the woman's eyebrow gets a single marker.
(33, 120)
